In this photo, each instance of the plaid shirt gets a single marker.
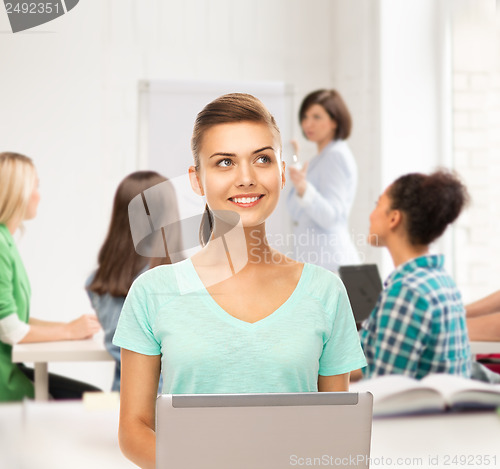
(418, 324)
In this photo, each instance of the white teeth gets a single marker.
(245, 200)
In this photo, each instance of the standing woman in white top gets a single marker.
(324, 190)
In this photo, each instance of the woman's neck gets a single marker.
(322, 145)
(243, 244)
(233, 251)
(13, 225)
(404, 252)
(258, 248)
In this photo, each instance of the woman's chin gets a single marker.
(375, 241)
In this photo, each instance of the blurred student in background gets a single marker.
(483, 324)
(324, 189)
(418, 325)
(19, 198)
(119, 262)
(483, 318)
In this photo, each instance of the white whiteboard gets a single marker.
(167, 112)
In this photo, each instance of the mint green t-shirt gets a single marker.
(204, 349)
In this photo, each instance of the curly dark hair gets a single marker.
(429, 202)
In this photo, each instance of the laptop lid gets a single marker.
(363, 285)
(263, 431)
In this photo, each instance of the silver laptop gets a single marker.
(263, 431)
(363, 285)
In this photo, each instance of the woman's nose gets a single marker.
(245, 175)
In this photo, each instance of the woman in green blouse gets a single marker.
(19, 198)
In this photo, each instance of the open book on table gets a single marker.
(398, 394)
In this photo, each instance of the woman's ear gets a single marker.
(395, 219)
(195, 181)
(283, 178)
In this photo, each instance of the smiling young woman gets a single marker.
(237, 317)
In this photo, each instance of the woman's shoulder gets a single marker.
(421, 275)
(8, 252)
(408, 288)
(342, 149)
(325, 289)
(5, 236)
(338, 155)
(160, 278)
(337, 147)
(322, 282)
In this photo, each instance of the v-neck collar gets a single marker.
(198, 285)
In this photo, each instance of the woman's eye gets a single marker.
(225, 163)
(264, 159)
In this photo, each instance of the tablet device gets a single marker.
(363, 286)
(263, 431)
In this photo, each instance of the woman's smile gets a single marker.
(246, 200)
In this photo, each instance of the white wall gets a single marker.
(476, 66)
(356, 55)
(415, 94)
(392, 61)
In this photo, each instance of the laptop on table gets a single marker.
(263, 431)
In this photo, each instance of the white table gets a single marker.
(41, 353)
(484, 347)
(448, 440)
(61, 435)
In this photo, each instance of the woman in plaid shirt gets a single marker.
(418, 325)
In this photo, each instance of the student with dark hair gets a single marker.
(418, 324)
(238, 316)
(19, 198)
(324, 189)
(119, 262)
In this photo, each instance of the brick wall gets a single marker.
(476, 91)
